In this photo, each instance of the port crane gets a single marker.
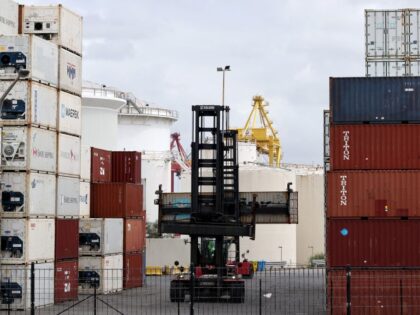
(179, 157)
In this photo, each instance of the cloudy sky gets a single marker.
(166, 52)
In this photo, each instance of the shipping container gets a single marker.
(66, 280)
(375, 100)
(30, 52)
(106, 273)
(380, 291)
(100, 236)
(27, 240)
(133, 270)
(84, 200)
(134, 235)
(373, 242)
(387, 68)
(126, 167)
(116, 200)
(85, 163)
(375, 147)
(70, 72)
(55, 23)
(29, 103)
(69, 116)
(19, 277)
(373, 194)
(101, 166)
(68, 155)
(143, 183)
(9, 17)
(68, 197)
(27, 194)
(66, 239)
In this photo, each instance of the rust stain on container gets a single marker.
(100, 166)
(375, 147)
(133, 270)
(373, 243)
(66, 239)
(373, 194)
(66, 281)
(134, 235)
(116, 200)
(126, 167)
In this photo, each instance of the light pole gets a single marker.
(281, 253)
(223, 69)
(22, 73)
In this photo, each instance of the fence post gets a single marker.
(192, 278)
(348, 280)
(32, 288)
(401, 297)
(260, 300)
(94, 299)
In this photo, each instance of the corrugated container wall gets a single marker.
(70, 72)
(68, 155)
(126, 167)
(373, 194)
(66, 239)
(28, 149)
(55, 22)
(133, 270)
(69, 117)
(66, 281)
(379, 146)
(116, 200)
(35, 54)
(101, 166)
(27, 240)
(68, 197)
(134, 235)
(27, 194)
(29, 103)
(376, 100)
(84, 200)
(9, 18)
(373, 243)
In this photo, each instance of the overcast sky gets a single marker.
(166, 52)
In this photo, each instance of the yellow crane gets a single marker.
(265, 136)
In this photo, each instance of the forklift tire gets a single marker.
(238, 292)
(177, 293)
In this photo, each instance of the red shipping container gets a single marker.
(66, 281)
(134, 235)
(116, 200)
(133, 270)
(373, 243)
(374, 292)
(101, 166)
(373, 194)
(375, 147)
(66, 239)
(126, 167)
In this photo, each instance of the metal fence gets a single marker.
(272, 291)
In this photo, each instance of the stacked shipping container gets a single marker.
(373, 178)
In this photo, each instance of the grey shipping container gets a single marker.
(375, 100)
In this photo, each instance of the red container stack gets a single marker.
(372, 211)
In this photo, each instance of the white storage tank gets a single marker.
(70, 72)
(68, 197)
(100, 236)
(55, 23)
(19, 276)
(35, 54)
(27, 240)
(27, 194)
(69, 113)
(28, 148)
(105, 272)
(68, 155)
(84, 199)
(85, 162)
(9, 17)
(29, 103)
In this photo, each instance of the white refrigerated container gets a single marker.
(55, 23)
(68, 197)
(29, 103)
(84, 199)
(33, 53)
(69, 113)
(28, 148)
(9, 17)
(27, 194)
(70, 72)
(107, 269)
(27, 240)
(85, 162)
(19, 276)
(68, 155)
(100, 236)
